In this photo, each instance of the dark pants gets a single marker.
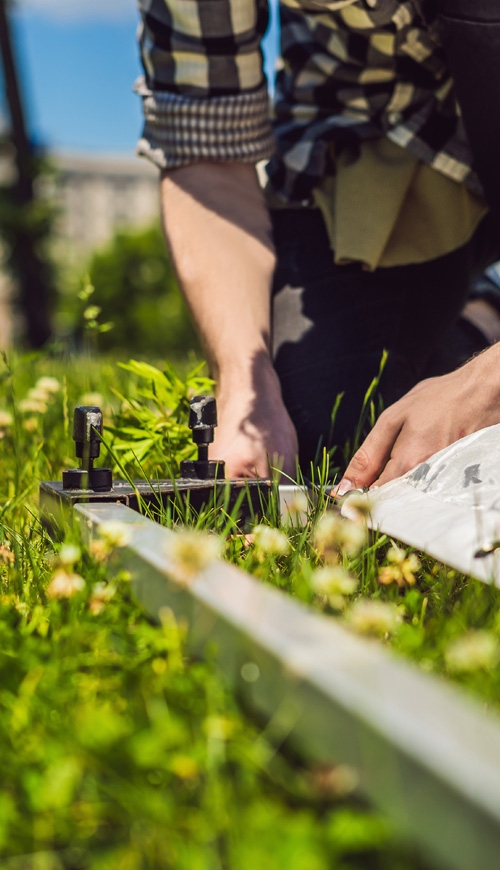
(332, 323)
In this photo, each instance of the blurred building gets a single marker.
(94, 195)
(98, 195)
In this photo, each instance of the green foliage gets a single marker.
(152, 421)
(432, 607)
(136, 290)
(118, 752)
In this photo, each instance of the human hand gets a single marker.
(434, 414)
(255, 434)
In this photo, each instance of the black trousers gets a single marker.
(332, 323)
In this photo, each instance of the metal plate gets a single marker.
(245, 499)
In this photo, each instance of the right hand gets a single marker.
(255, 434)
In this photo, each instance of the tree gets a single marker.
(25, 223)
(136, 289)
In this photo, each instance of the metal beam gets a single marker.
(423, 751)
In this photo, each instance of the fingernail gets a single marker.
(344, 486)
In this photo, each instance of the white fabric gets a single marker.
(449, 506)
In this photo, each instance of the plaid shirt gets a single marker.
(350, 69)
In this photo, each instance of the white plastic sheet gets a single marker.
(449, 506)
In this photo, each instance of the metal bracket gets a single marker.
(202, 485)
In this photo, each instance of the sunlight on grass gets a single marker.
(119, 752)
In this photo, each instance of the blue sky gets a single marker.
(78, 60)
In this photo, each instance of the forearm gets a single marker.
(218, 231)
(219, 234)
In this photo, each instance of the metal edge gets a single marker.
(425, 753)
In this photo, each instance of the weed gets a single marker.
(118, 751)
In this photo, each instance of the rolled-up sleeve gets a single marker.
(204, 91)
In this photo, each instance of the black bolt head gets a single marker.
(202, 412)
(87, 418)
(87, 427)
(203, 418)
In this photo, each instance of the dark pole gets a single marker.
(31, 270)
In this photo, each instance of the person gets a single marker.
(380, 205)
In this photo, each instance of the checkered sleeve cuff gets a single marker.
(179, 130)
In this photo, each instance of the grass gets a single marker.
(118, 750)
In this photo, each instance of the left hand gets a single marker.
(434, 414)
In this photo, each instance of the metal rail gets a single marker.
(423, 751)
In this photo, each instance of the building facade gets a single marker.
(98, 195)
(94, 196)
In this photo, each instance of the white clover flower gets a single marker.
(412, 563)
(328, 532)
(101, 594)
(299, 502)
(477, 650)
(402, 569)
(333, 581)
(357, 505)
(99, 550)
(297, 506)
(354, 538)
(191, 552)
(36, 394)
(374, 617)
(6, 419)
(32, 406)
(333, 535)
(112, 534)
(103, 590)
(48, 384)
(115, 533)
(270, 541)
(396, 555)
(30, 425)
(69, 554)
(65, 584)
